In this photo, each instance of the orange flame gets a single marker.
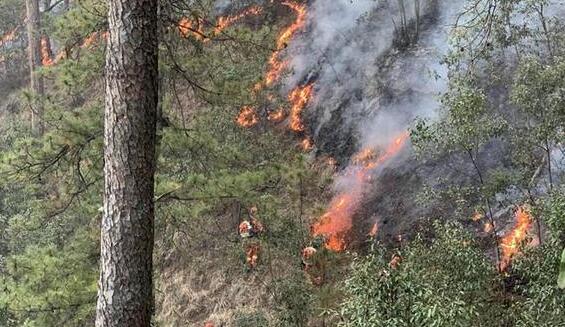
(276, 116)
(307, 144)
(225, 22)
(364, 156)
(511, 242)
(8, 37)
(46, 53)
(247, 117)
(477, 216)
(488, 227)
(338, 219)
(374, 230)
(277, 65)
(93, 37)
(299, 98)
(194, 28)
(288, 33)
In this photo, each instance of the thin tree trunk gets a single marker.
(548, 154)
(125, 295)
(489, 208)
(34, 61)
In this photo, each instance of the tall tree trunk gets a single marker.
(34, 60)
(125, 295)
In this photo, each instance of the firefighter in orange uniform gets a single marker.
(313, 265)
(249, 229)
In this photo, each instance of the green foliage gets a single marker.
(542, 303)
(538, 91)
(561, 278)
(293, 299)
(442, 282)
(554, 213)
(466, 125)
(45, 286)
(254, 319)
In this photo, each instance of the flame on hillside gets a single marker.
(192, 27)
(8, 37)
(477, 216)
(276, 64)
(47, 58)
(488, 227)
(46, 53)
(374, 230)
(196, 27)
(227, 21)
(511, 242)
(338, 219)
(299, 98)
(307, 144)
(277, 116)
(93, 37)
(247, 117)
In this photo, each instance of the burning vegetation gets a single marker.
(335, 224)
(276, 64)
(196, 27)
(299, 98)
(512, 241)
(247, 117)
(46, 53)
(8, 37)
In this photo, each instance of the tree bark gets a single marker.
(125, 295)
(34, 61)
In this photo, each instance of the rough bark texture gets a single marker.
(34, 60)
(125, 296)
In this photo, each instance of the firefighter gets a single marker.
(252, 227)
(245, 229)
(307, 255)
(252, 254)
(257, 226)
(313, 265)
(249, 229)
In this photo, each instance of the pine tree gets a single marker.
(125, 295)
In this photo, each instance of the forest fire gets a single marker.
(47, 58)
(276, 116)
(8, 37)
(299, 98)
(338, 219)
(374, 230)
(195, 27)
(46, 53)
(510, 243)
(364, 156)
(307, 144)
(277, 65)
(488, 227)
(93, 37)
(247, 117)
(225, 22)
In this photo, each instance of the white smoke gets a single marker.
(348, 48)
